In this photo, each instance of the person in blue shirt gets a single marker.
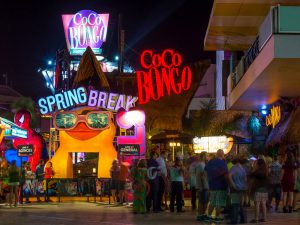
(217, 173)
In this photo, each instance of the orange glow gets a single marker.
(82, 132)
(82, 139)
(274, 117)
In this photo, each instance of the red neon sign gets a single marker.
(163, 76)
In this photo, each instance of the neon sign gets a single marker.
(164, 75)
(126, 120)
(85, 28)
(274, 117)
(79, 96)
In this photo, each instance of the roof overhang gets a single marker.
(234, 24)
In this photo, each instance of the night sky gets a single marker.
(32, 32)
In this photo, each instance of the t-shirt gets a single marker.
(201, 177)
(176, 174)
(39, 172)
(48, 172)
(123, 175)
(239, 177)
(162, 166)
(192, 171)
(13, 175)
(152, 169)
(275, 173)
(216, 171)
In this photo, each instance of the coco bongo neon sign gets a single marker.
(164, 76)
(85, 28)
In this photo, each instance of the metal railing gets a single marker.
(89, 187)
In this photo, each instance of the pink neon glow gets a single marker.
(135, 118)
(85, 28)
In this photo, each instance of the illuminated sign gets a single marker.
(274, 117)
(79, 96)
(129, 149)
(126, 120)
(85, 28)
(12, 130)
(25, 150)
(212, 144)
(164, 75)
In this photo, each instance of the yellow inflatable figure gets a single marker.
(83, 135)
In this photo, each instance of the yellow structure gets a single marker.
(82, 139)
(274, 117)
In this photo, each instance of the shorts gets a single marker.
(203, 197)
(236, 197)
(218, 198)
(275, 192)
(260, 196)
(121, 185)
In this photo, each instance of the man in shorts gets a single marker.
(217, 173)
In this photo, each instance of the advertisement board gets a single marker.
(25, 150)
(129, 149)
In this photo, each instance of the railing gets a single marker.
(280, 20)
(88, 187)
(251, 54)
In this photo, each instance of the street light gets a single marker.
(174, 144)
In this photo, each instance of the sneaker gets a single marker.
(217, 220)
(208, 219)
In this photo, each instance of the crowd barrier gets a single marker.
(89, 187)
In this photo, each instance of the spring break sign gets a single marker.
(83, 29)
(80, 96)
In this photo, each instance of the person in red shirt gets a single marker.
(49, 172)
(123, 175)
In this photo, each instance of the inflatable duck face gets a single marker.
(84, 130)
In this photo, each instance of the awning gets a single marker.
(172, 136)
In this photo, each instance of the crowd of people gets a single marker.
(217, 183)
(16, 183)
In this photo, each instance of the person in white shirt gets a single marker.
(163, 173)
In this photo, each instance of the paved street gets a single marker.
(91, 213)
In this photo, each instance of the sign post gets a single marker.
(23, 150)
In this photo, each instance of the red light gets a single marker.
(164, 74)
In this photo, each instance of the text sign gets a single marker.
(25, 150)
(85, 28)
(12, 130)
(79, 96)
(129, 149)
(164, 75)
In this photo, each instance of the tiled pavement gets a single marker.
(93, 213)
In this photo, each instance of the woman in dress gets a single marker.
(139, 175)
(14, 182)
(114, 173)
(289, 174)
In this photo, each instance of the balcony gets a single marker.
(271, 66)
